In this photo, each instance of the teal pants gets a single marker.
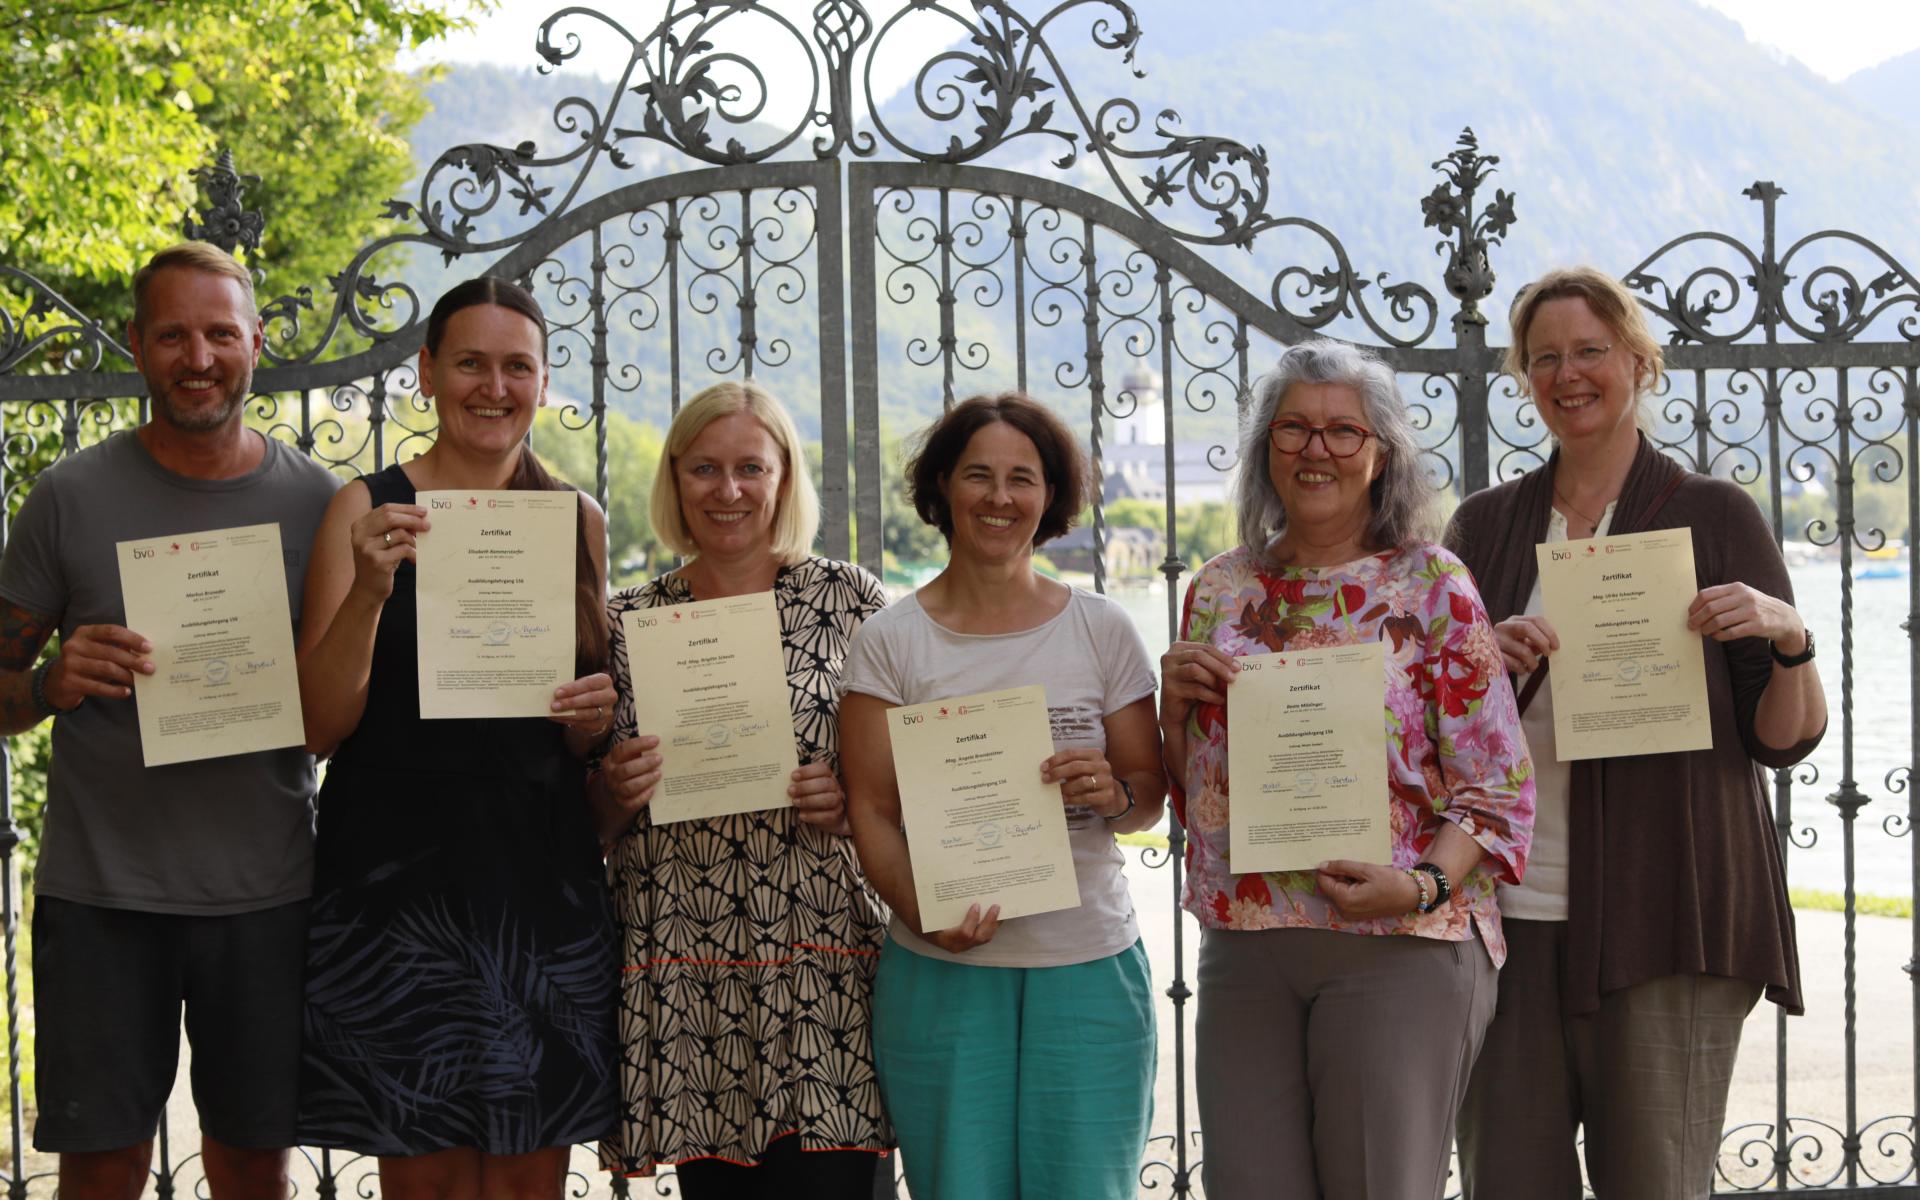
(1016, 1082)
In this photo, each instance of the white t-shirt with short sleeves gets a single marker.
(1092, 663)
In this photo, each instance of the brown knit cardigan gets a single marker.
(1674, 869)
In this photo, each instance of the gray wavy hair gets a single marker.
(1401, 496)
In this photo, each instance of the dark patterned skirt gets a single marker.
(461, 971)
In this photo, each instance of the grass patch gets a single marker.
(1872, 906)
(1811, 899)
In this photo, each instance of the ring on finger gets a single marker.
(387, 537)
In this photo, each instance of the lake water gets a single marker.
(1881, 727)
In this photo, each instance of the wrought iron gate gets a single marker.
(859, 255)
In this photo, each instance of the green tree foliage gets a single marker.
(635, 555)
(107, 106)
(907, 544)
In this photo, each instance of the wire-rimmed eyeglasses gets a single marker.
(1342, 439)
(1547, 363)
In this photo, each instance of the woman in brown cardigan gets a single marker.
(1654, 910)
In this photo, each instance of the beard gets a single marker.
(211, 410)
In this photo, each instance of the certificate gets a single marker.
(1629, 677)
(495, 589)
(214, 605)
(1307, 759)
(982, 828)
(710, 680)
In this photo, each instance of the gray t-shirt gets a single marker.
(1093, 664)
(222, 835)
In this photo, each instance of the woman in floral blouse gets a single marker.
(1323, 1055)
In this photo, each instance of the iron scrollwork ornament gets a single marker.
(226, 221)
(1449, 208)
(1840, 306)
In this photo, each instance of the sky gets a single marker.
(1834, 38)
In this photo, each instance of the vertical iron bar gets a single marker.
(1244, 382)
(1472, 406)
(1173, 568)
(377, 418)
(10, 911)
(163, 1171)
(830, 271)
(70, 429)
(673, 236)
(1912, 407)
(1701, 422)
(1847, 798)
(305, 440)
(10, 914)
(749, 335)
(1096, 388)
(863, 237)
(1017, 234)
(602, 490)
(943, 242)
(1782, 793)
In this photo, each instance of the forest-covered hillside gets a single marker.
(1620, 124)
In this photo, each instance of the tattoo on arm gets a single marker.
(22, 634)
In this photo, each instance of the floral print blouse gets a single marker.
(1454, 747)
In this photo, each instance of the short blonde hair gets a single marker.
(1610, 301)
(189, 256)
(796, 514)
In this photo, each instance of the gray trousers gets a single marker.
(1647, 1075)
(1332, 1064)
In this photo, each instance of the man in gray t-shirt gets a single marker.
(182, 883)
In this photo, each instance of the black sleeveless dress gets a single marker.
(461, 970)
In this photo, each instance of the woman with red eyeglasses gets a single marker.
(1340, 1009)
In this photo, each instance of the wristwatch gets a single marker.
(1126, 789)
(1793, 660)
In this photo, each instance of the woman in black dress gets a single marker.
(460, 963)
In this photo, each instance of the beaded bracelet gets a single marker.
(1424, 905)
(1442, 885)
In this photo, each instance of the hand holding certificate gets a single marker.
(214, 606)
(495, 594)
(1629, 677)
(981, 825)
(1307, 759)
(716, 696)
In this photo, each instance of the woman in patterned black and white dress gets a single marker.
(749, 940)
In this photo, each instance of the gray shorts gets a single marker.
(108, 987)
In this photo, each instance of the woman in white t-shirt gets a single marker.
(1015, 1057)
